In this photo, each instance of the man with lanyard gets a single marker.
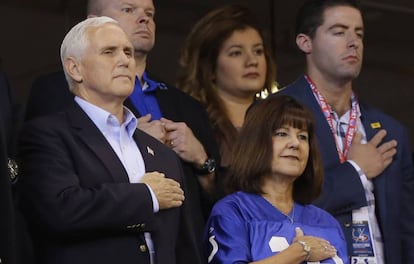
(366, 154)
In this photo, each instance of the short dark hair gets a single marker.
(253, 150)
(310, 14)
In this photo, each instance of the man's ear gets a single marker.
(304, 43)
(72, 67)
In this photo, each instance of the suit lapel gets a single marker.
(148, 152)
(324, 134)
(372, 124)
(90, 135)
(323, 131)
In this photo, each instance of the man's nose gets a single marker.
(142, 18)
(354, 41)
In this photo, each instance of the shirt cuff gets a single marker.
(361, 174)
(155, 205)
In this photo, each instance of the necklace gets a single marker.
(291, 216)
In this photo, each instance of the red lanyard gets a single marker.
(327, 112)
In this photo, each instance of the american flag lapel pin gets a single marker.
(150, 151)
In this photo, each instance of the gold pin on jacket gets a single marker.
(376, 125)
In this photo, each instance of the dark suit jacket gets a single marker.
(78, 197)
(50, 94)
(343, 190)
(14, 243)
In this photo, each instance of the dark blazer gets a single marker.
(343, 190)
(78, 197)
(50, 94)
(14, 242)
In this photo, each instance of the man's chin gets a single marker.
(141, 47)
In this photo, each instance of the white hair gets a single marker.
(76, 41)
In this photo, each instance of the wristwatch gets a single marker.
(306, 248)
(208, 167)
(13, 170)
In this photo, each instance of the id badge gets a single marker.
(362, 247)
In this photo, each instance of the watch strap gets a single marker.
(208, 167)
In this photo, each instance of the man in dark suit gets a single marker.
(166, 113)
(14, 242)
(96, 189)
(369, 182)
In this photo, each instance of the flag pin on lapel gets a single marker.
(376, 125)
(150, 151)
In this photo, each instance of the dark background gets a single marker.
(31, 33)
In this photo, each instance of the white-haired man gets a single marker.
(163, 111)
(98, 190)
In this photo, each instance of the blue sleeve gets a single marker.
(226, 239)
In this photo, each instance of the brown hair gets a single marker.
(253, 150)
(199, 58)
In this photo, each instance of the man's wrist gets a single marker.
(208, 167)
(200, 159)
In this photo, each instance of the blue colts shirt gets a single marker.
(245, 227)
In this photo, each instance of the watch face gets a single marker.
(211, 166)
(208, 167)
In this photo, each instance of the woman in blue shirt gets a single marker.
(276, 172)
